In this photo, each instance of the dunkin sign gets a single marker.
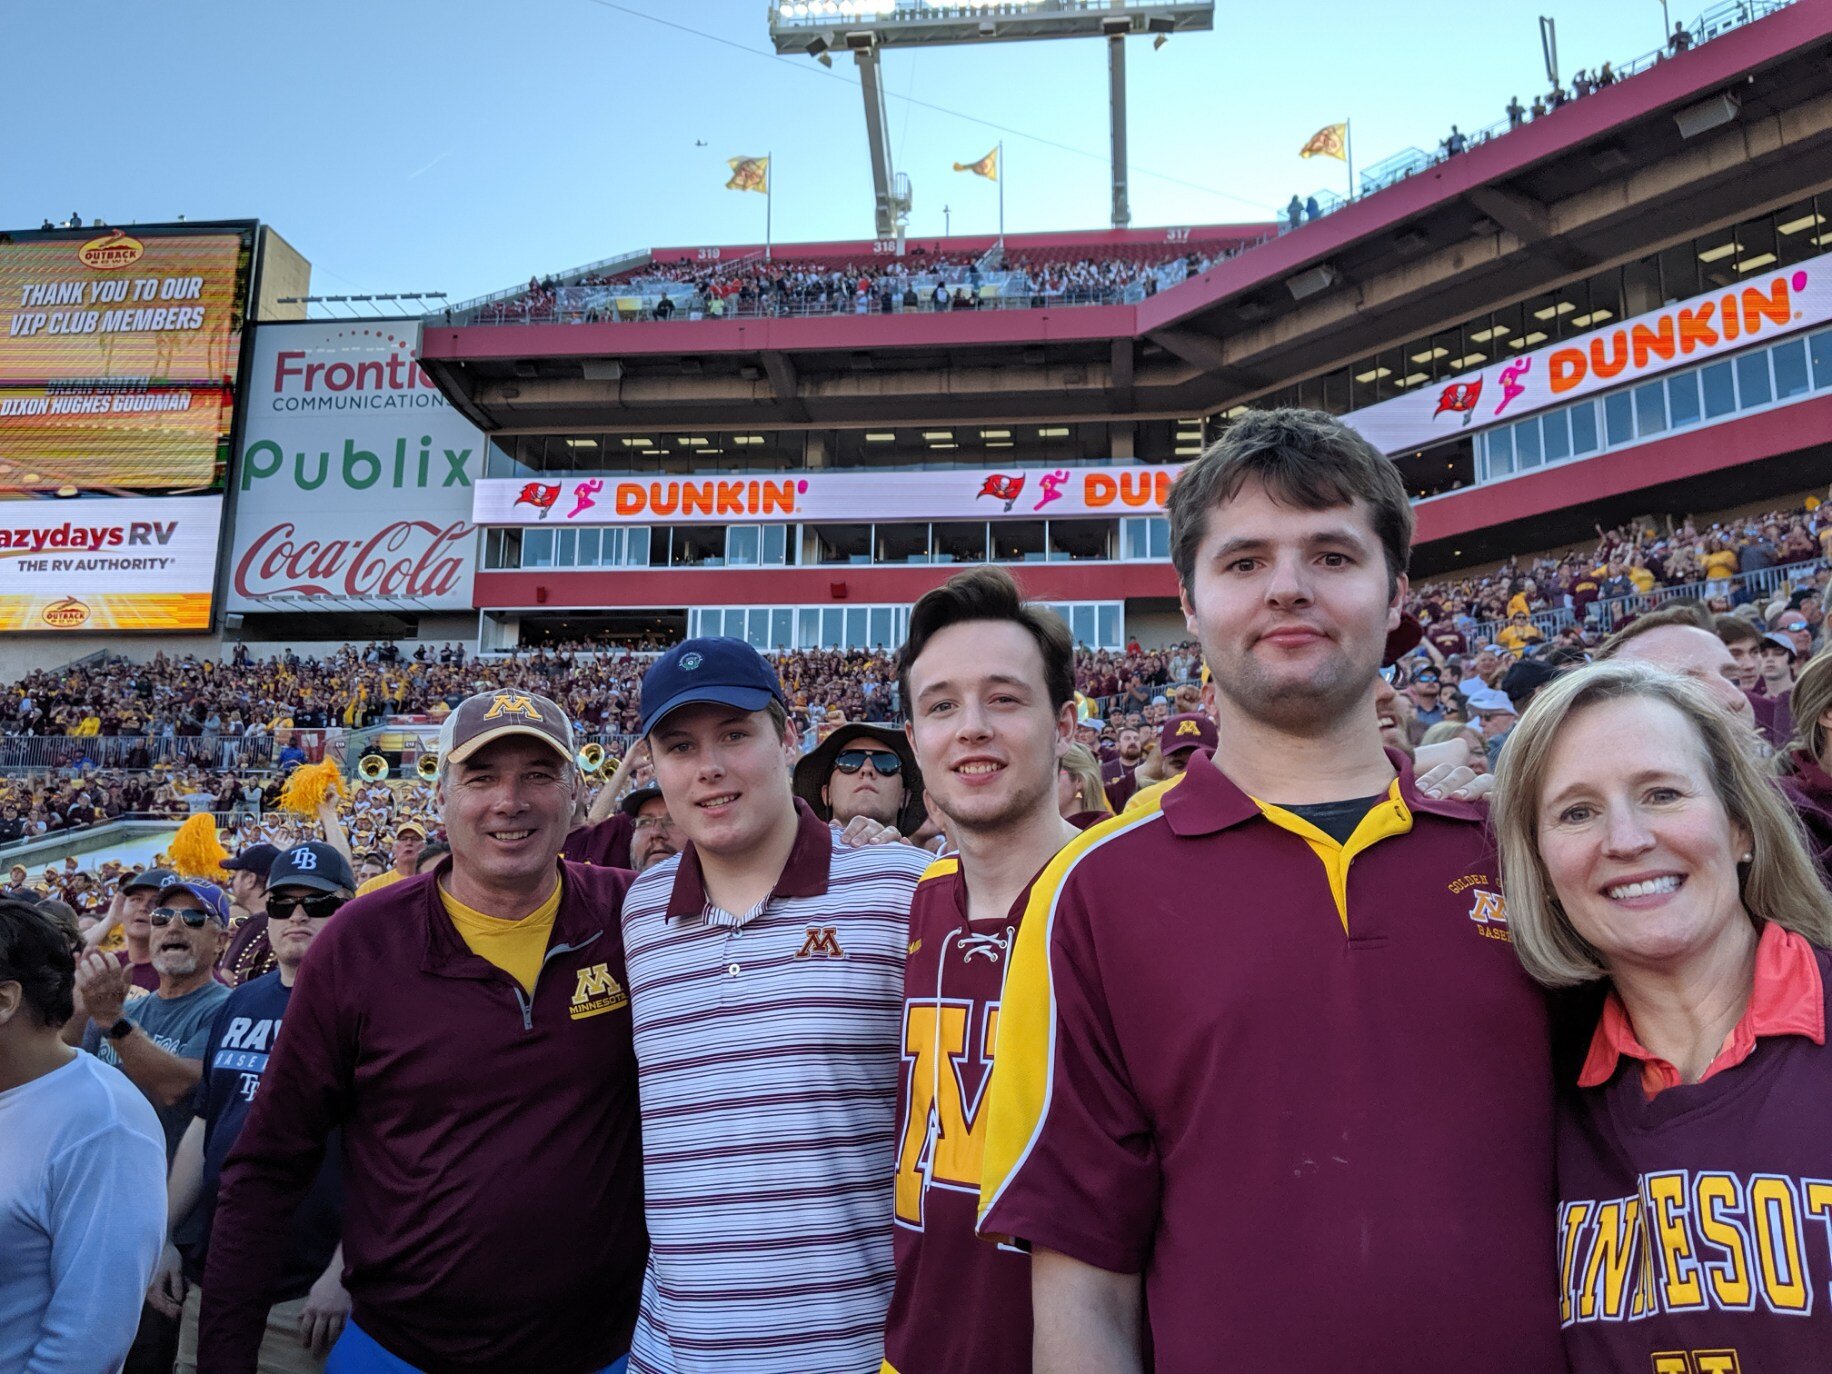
(1760, 309)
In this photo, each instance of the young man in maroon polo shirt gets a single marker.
(990, 684)
(468, 1030)
(1269, 1076)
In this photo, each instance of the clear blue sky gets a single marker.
(462, 145)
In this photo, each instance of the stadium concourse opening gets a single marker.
(609, 629)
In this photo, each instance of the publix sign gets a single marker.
(353, 486)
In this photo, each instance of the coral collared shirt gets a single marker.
(1787, 999)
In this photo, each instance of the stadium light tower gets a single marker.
(865, 27)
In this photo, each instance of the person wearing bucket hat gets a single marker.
(863, 769)
(766, 980)
(475, 1020)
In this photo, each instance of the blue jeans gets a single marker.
(357, 1352)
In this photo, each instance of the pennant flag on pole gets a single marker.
(1329, 141)
(987, 166)
(749, 174)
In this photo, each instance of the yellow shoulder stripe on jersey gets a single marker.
(1018, 1097)
(1149, 796)
(941, 868)
(1382, 822)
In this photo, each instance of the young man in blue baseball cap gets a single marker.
(766, 980)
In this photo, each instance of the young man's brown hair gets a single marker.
(988, 593)
(1303, 458)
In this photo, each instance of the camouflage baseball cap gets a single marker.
(495, 715)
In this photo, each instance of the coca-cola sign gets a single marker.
(409, 559)
(354, 480)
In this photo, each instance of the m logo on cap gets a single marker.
(1188, 727)
(512, 704)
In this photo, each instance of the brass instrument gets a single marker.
(427, 767)
(592, 760)
(372, 768)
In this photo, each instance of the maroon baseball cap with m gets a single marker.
(490, 716)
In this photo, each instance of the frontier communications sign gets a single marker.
(354, 483)
(756, 498)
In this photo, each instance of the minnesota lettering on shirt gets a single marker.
(1697, 1240)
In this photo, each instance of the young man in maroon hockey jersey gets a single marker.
(988, 682)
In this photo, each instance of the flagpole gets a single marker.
(1348, 148)
(1001, 166)
(769, 201)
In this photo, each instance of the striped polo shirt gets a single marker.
(768, 1046)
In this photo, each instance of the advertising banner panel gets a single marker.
(108, 563)
(118, 358)
(1763, 306)
(757, 498)
(354, 483)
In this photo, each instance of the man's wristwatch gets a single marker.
(121, 1029)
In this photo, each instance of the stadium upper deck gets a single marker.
(1700, 180)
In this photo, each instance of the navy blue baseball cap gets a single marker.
(715, 668)
(313, 864)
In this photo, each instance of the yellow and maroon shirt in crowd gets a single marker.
(1695, 1219)
(1302, 1086)
(960, 1302)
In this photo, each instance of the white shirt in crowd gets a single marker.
(82, 1218)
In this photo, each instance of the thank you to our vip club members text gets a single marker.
(126, 305)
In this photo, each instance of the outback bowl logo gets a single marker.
(67, 614)
(113, 250)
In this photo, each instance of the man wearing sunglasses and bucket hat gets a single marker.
(863, 770)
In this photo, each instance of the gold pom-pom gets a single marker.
(308, 786)
(197, 852)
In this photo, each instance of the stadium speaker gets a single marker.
(1116, 26)
(232, 623)
(1307, 284)
(860, 40)
(816, 46)
(1707, 115)
(602, 370)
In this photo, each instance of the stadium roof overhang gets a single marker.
(1603, 180)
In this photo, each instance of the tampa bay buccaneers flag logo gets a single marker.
(1459, 398)
(1002, 488)
(540, 495)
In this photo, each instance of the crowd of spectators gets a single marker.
(1628, 565)
(919, 281)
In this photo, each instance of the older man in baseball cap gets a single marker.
(468, 1025)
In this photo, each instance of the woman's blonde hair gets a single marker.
(1447, 730)
(1811, 697)
(1090, 791)
(1779, 884)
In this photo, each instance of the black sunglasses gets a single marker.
(282, 908)
(884, 763)
(165, 915)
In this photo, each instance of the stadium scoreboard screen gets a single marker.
(120, 351)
